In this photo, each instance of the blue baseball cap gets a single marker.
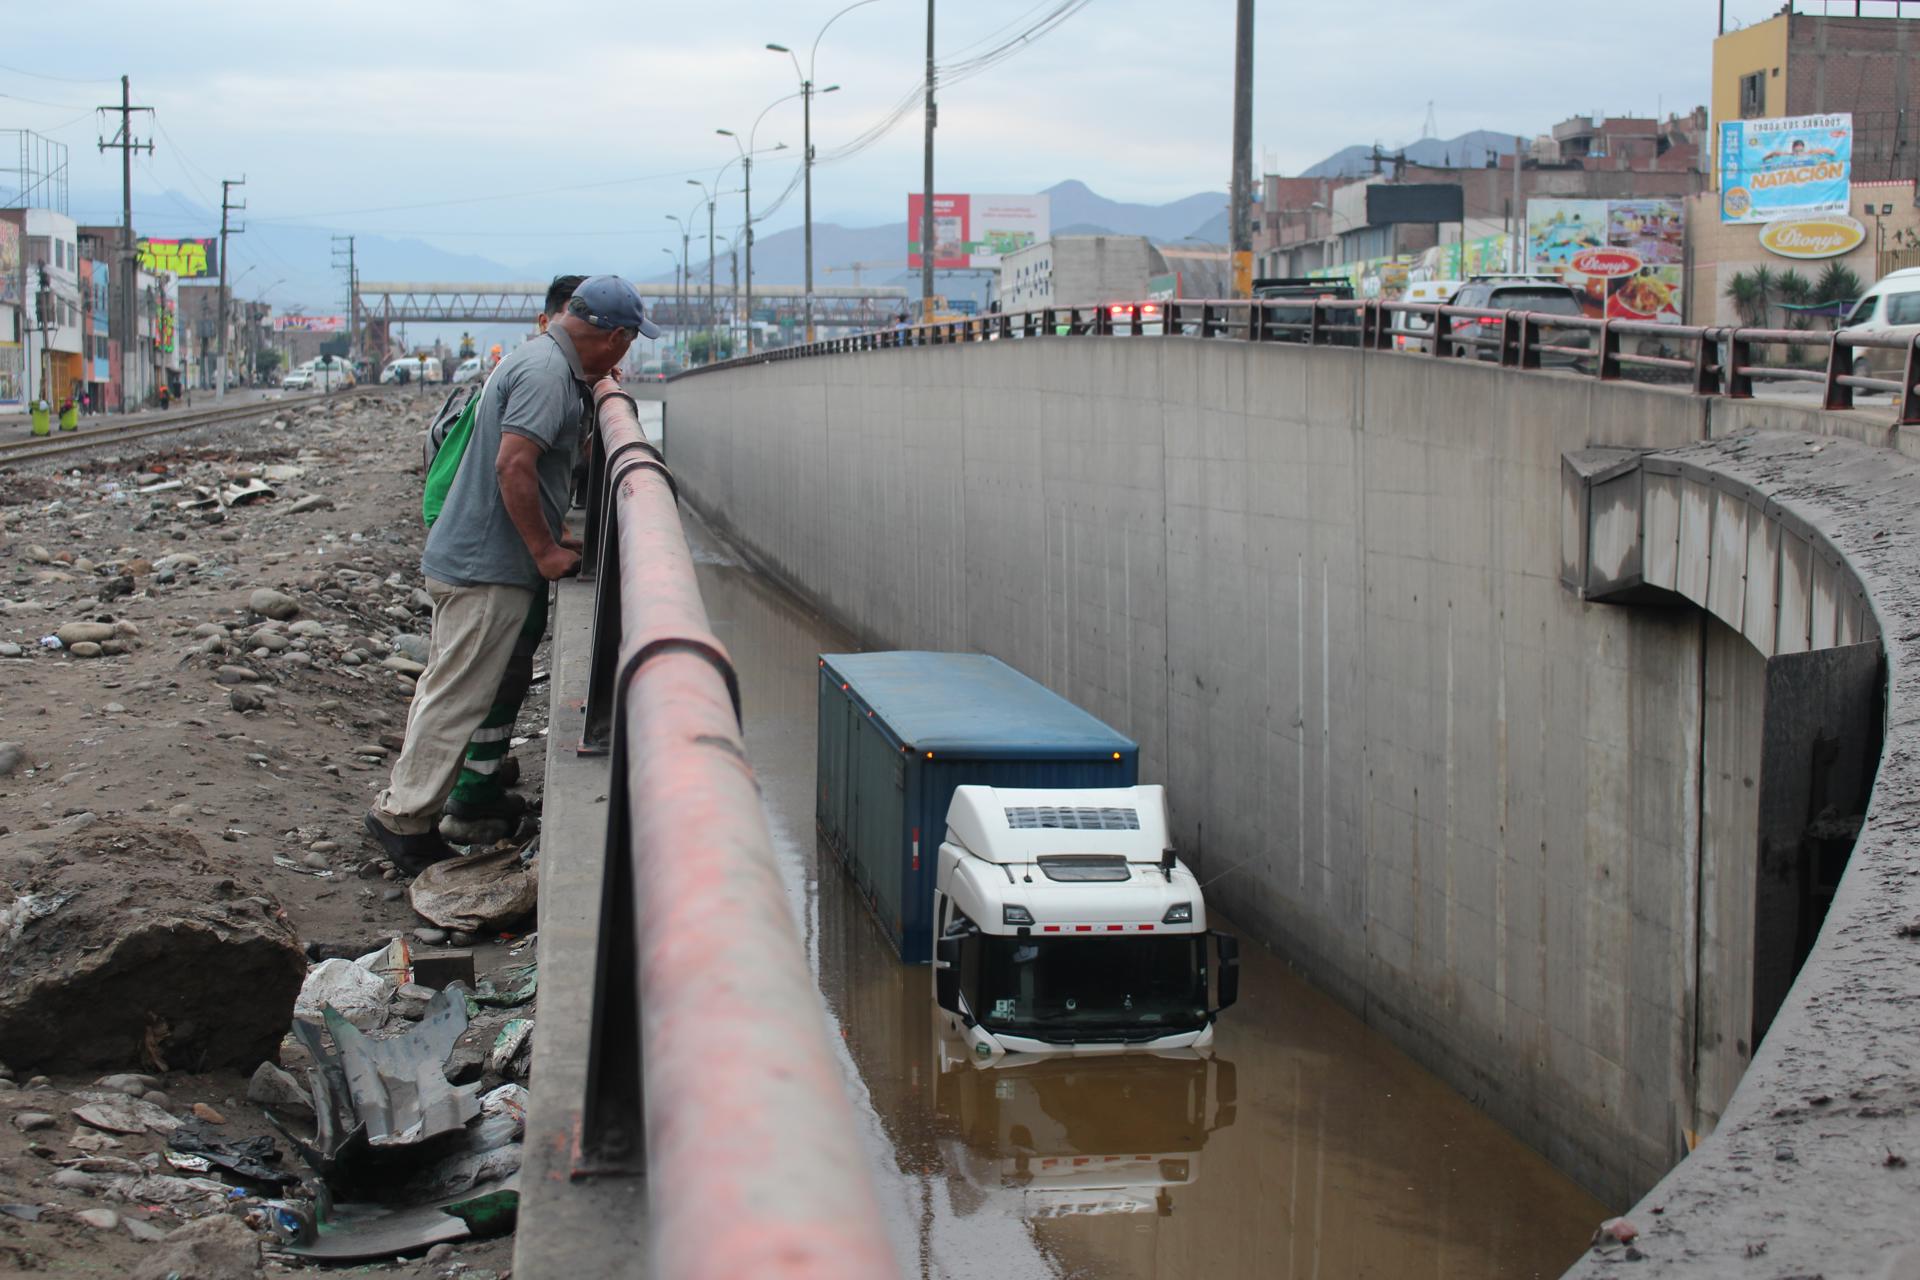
(613, 303)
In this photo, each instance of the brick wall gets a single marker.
(1870, 67)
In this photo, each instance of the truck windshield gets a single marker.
(1072, 989)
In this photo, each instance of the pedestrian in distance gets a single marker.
(498, 542)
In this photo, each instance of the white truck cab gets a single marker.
(1063, 923)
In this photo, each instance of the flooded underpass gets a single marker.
(1301, 1145)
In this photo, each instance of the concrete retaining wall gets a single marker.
(1514, 830)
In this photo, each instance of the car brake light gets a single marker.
(1151, 309)
(1119, 310)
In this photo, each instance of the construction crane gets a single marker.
(858, 267)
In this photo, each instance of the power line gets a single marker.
(41, 75)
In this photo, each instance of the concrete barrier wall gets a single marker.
(1483, 814)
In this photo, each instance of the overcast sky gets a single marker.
(511, 130)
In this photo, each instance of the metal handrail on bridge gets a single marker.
(710, 1071)
(1711, 361)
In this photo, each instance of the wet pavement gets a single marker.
(1303, 1146)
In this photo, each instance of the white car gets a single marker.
(297, 380)
(469, 370)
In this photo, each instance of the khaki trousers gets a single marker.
(473, 634)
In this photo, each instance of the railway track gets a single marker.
(36, 448)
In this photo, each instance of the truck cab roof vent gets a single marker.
(1084, 868)
(1072, 818)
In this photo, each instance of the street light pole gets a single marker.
(807, 80)
(747, 153)
(710, 307)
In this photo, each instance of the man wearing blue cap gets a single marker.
(499, 539)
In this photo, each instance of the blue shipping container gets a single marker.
(899, 731)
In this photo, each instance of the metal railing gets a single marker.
(709, 1069)
(1708, 360)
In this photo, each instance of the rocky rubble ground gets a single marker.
(207, 647)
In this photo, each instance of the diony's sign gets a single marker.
(1826, 237)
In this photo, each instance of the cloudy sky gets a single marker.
(516, 131)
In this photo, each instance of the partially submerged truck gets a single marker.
(998, 831)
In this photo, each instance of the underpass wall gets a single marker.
(1328, 606)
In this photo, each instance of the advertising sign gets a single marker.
(975, 231)
(1785, 168)
(310, 324)
(1826, 237)
(185, 259)
(1623, 257)
(9, 262)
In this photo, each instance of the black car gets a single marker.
(1307, 291)
(1538, 294)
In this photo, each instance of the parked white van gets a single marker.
(1440, 291)
(1891, 308)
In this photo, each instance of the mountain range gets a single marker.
(291, 262)
(1467, 151)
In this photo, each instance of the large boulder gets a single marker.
(129, 944)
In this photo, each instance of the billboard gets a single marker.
(974, 231)
(185, 259)
(1623, 257)
(1419, 202)
(310, 324)
(9, 262)
(1785, 168)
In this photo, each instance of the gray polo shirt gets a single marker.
(539, 392)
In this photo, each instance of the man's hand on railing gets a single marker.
(557, 562)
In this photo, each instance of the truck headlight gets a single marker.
(1178, 913)
(1011, 915)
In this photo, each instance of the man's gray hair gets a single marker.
(579, 307)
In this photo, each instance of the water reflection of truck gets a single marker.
(1080, 1136)
(979, 811)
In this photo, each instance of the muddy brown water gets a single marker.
(1304, 1145)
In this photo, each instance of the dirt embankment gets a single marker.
(201, 687)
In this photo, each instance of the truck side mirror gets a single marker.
(1227, 948)
(946, 974)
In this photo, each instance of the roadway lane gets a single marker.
(1305, 1146)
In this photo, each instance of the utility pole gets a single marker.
(1241, 213)
(926, 195)
(353, 295)
(226, 206)
(129, 325)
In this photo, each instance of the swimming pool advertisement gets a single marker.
(1785, 168)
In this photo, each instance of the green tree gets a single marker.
(1752, 293)
(698, 344)
(1792, 287)
(265, 361)
(1837, 283)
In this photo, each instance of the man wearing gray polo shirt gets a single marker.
(499, 539)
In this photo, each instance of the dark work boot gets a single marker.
(411, 854)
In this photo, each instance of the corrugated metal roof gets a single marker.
(972, 704)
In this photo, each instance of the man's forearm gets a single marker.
(520, 492)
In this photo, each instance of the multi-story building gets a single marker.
(1804, 64)
(1077, 271)
(51, 317)
(13, 369)
(1317, 224)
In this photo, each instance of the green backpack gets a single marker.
(445, 446)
